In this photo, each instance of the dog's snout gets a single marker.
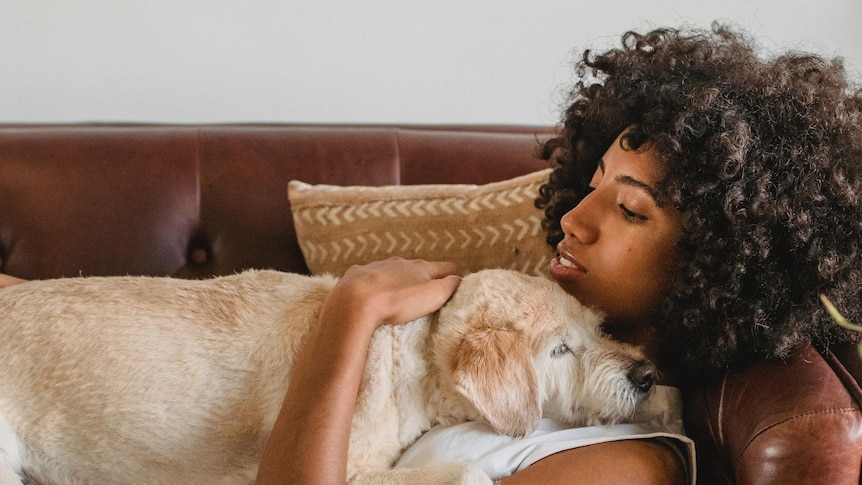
(642, 375)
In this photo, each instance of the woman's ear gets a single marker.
(493, 369)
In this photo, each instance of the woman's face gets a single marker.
(619, 248)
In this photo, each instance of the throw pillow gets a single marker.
(475, 226)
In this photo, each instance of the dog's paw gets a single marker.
(447, 474)
(10, 459)
(454, 474)
(465, 474)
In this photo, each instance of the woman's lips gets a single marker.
(565, 266)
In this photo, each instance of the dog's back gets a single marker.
(96, 373)
(157, 380)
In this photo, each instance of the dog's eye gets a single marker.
(559, 351)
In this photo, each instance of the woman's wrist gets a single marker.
(349, 310)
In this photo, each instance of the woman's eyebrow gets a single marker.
(633, 182)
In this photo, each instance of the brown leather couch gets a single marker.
(197, 201)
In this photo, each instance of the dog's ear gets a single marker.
(493, 369)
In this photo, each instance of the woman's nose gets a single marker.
(581, 221)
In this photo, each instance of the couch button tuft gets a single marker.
(199, 256)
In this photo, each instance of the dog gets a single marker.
(154, 380)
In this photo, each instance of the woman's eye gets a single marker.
(631, 215)
(559, 351)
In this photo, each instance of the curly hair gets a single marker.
(763, 159)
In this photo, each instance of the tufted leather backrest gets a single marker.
(196, 201)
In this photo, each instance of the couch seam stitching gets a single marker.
(720, 412)
(398, 160)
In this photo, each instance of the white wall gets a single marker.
(392, 61)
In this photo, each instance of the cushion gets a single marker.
(474, 226)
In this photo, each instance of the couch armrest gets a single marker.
(796, 421)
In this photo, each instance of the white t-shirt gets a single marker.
(500, 455)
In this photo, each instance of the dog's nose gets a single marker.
(642, 375)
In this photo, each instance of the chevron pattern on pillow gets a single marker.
(475, 226)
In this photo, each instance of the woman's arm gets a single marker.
(6, 280)
(629, 462)
(310, 439)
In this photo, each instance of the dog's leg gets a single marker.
(10, 459)
(448, 474)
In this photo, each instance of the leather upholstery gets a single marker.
(196, 201)
(793, 422)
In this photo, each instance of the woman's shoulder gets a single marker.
(658, 424)
(633, 461)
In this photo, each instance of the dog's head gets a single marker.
(518, 348)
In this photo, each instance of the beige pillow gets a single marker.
(474, 226)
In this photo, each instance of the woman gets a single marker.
(702, 198)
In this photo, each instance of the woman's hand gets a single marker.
(392, 291)
(310, 439)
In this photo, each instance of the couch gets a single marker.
(193, 201)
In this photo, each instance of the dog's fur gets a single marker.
(165, 381)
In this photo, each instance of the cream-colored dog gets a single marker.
(167, 381)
